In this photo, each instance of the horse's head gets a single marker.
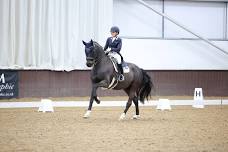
(92, 51)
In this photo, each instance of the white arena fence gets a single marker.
(150, 103)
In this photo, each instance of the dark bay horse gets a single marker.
(137, 83)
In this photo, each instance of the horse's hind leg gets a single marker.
(131, 95)
(135, 100)
(129, 102)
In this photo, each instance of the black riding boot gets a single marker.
(121, 76)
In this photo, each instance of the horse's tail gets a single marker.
(146, 87)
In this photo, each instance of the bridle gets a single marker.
(93, 60)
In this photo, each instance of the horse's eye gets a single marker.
(91, 48)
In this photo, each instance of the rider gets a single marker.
(113, 45)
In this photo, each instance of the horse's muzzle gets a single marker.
(89, 62)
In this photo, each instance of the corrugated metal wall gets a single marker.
(77, 83)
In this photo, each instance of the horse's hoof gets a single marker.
(97, 100)
(87, 114)
(122, 116)
(136, 117)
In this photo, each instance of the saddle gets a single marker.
(115, 81)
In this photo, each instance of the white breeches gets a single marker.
(116, 56)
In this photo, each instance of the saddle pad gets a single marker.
(126, 69)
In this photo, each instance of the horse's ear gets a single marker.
(84, 42)
(91, 41)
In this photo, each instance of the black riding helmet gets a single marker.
(115, 29)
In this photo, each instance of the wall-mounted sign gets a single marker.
(8, 84)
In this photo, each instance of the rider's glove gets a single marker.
(108, 50)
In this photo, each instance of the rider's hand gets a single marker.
(107, 51)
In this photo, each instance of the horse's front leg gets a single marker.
(97, 100)
(103, 83)
(93, 95)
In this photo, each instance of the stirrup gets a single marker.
(121, 77)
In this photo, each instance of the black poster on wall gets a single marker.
(8, 84)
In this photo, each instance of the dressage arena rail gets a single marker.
(36, 104)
